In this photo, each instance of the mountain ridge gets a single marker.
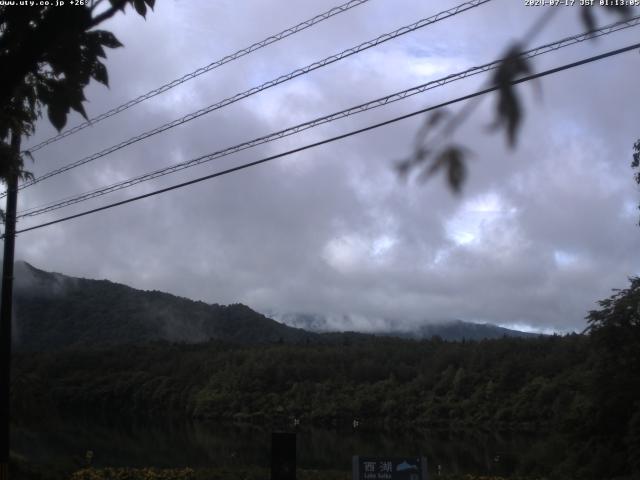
(54, 311)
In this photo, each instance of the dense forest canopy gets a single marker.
(563, 387)
(251, 369)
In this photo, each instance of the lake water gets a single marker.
(64, 443)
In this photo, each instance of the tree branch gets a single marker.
(107, 14)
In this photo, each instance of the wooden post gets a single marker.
(5, 311)
(283, 456)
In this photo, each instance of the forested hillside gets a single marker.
(508, 383)
(581, 390)
(54, 311)
(547, 385)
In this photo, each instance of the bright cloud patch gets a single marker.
(353, 251)
(476, 217)
(564, 259)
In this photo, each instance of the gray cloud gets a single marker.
(540, 233)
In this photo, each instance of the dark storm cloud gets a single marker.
(540, 233)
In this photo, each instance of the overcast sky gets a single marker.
(539, 234)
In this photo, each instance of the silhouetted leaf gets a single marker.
(453, 159)
(94, 45)
(78, 107)
(10, 161)
(6, 159)
(588, 16)
(456, 173)
(99, 72)
(120, 4)
(432, 121)
(508, 111)
(140, 7)
(436, 117)
(57, 115)
(588, 19)
(437, 163)
(107, 39)
(404, 167)
(26, 176)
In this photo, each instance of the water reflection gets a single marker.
(165, 444)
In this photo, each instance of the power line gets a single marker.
(319, 121)
(252, 91)
(338, 137)
(550, 47)
(196, 73)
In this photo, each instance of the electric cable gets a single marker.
(543, 49)
(196, 73)
(335, 138)
(252, 91)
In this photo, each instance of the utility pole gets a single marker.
(5, 309)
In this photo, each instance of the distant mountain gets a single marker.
(53, 311)
(453, 330)
(459, 330)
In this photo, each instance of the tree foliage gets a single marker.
(582, 390)
(615, 334)
(48, 56)
(436, 150)
(635, 163)
(537, 385)
(620, 311)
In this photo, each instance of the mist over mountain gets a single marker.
(53, 311)
(451, 330)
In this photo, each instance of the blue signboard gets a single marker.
(383, 468)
